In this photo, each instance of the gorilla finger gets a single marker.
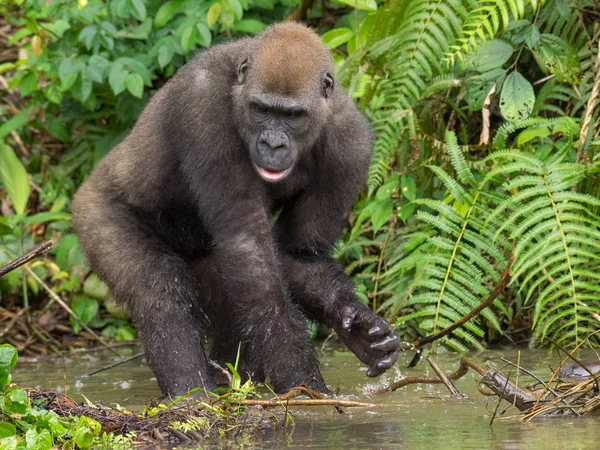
(348, 315)
(381, 328)
(389, 343)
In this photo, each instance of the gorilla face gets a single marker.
(279, 124)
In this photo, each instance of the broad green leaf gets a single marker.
(16, 400)
(116, 78)
(85, 431)
(366, 5)
(8, 360)
(15, 123)
(481, 85)
(188, 36)
(7, 430)
(14, 178)
(336, 37)
(166, 12)
(532, 36)
(165, 54)
(94, 287)
(57, 28)
(53, 94)
(564, 8)
(82, 88)
(408, 185)
(385, 191)
(97, 67)
(85, 308)
(250, 26)
(237, 8)
(135, 84)
(139, 9)
(227, 17)
(559, 57)
(490, 55)
(204, 36)
(47, 216)
(38, 441)
(69, 67)
(381, 214)
(517, 97)
(213, 14)
(531, 133)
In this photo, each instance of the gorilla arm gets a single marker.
(307, 230)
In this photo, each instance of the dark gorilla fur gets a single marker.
(177, 218)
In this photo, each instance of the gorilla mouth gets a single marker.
(272, 175)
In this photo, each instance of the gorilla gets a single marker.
(214, 220)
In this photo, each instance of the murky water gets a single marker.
(422, 416)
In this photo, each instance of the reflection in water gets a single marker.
(422, 417)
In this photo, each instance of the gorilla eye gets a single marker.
(327, 87)
(260, 108)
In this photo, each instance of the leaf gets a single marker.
(166, 12)
(188, 37)
(336, 37)
(47, 216)
(69, 67)
(14, 178)
(250, 26)
(204, 36)
(491, 55)
(557, 56)
(15, 123)
(38, 441)
(213, 14)
(517, 97)
(8, 360)
(85, 308)
(365, 5)
(116, 78)
(7, 430)
(97, 67)
(135, 84)
(408, 185)
(165, 54)
(94, 287)
(57, 28)
(381, 214)
(139, 9)
(385, 191)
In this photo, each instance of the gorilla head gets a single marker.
(280, 117)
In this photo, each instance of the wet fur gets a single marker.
(177, 222)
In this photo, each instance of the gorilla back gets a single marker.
(176, 218)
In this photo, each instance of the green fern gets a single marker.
(486, 18)
(458, 265)
(556, 234)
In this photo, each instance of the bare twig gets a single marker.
(62, 303)
(307, 402)
(504, 279)
(110, 366)
(445, 379)
(15, 318)
(35, 253)
(465, 364)
(589, 109)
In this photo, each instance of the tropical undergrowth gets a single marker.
(486, 146)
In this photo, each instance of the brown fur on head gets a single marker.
(291, 48)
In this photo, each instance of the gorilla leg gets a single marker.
(269, 332)
(158, 287)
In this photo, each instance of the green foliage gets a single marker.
(82, 73)
(443, 247)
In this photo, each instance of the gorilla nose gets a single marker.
(273, 140)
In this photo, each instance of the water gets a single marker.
(421, 416)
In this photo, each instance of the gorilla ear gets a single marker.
(327, 86)
(243, 71)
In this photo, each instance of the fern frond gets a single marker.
(485, 19)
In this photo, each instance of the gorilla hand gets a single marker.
(370, 337)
